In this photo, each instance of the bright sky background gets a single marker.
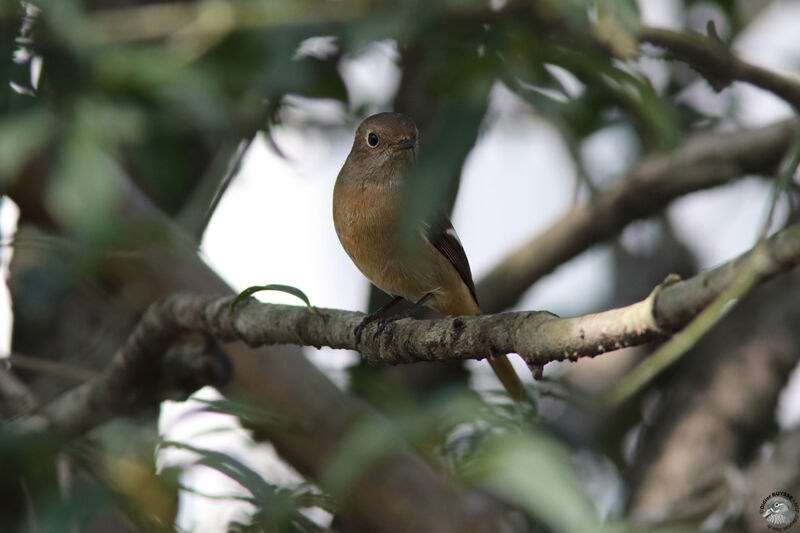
(274, 224)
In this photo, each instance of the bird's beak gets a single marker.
(405, 144)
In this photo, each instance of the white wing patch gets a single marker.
(453, 234)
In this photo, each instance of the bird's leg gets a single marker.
(378, 313)
(383, 322)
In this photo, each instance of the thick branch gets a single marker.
(539, 337)
(714, 60)
(143, 372)
(702, 162)
(724, 405)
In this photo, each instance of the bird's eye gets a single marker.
(372, 139)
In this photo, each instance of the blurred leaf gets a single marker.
(162, 78)
(307, 496)
(263, 492)
(573, 12)
(22, 136)
(280, 70)
(68, 23)
(25, 459)
(534, 472)
(86, 187)
(276, 508)
(135, 479)
(366, 442)
(617, 24)
(632, 92)
(109, 123)
(432, 183)
(85, 501)
(250, 415)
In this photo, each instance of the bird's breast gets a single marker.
(366, 223)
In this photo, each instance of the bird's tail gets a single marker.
(508, 377)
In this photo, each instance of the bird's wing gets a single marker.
(445, 239)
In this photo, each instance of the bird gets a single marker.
(367, 200)
(779, 511)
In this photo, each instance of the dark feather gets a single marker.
(442, 235)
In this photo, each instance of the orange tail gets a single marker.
(508, 377)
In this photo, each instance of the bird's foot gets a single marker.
(360, 327)
(384, 321)
(375, 315)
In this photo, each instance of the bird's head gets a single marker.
(779, 511)
(385, 146)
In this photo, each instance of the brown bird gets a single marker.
(366, 214)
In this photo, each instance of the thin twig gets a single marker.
(233, 169)
(46, 366)
(786, 172)
(17, 393)
(30, 508)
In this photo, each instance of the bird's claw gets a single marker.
(382, 323)
(360, 328)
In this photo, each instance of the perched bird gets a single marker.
(366, 214)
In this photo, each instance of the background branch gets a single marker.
(714, 418)
(703, 161)
(714, 60)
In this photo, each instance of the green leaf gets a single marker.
(276, 507)
(86, 186)
(251, 480)
(161, 78)
(536, 474)
(432, 183)
(366, 443)
(21, 136)
(250, 415)
(616, 25)
(294, 291)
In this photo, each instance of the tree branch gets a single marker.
(143, 372)
(713, 59)
(703, 161)
(724, 406)
(537, 336)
